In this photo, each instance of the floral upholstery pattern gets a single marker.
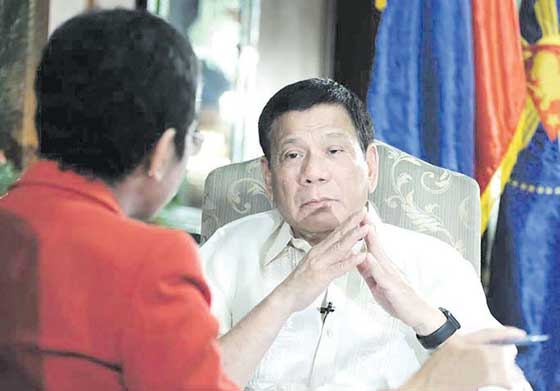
(411, 193)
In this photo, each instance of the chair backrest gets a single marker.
(411, 193)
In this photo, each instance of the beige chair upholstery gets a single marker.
(411, 193)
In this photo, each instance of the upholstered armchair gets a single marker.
(410, 193)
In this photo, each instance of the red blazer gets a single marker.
(93, 300)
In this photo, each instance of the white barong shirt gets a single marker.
(358, 346)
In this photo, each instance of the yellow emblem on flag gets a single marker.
(542, 66)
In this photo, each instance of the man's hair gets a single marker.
(108, 85)
(305, 94)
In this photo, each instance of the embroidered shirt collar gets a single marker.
(282, 237)
(279, 240)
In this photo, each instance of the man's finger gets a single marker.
(342, 248)
(365, 267)
(350, 224)
(382, 260)
(365, 270)
(488, 336)
(375, 269)
(342, 267)
(373, 245)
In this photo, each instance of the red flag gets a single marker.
(500, 94)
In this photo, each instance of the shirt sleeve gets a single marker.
(169, 342)
(220, 272)
(450, 281)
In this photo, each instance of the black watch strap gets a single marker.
(439, 336)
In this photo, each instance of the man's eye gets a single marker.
(291, 155)
(334, 151)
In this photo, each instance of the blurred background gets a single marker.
(248, 50)
(469, 85)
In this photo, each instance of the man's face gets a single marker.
(318, 173)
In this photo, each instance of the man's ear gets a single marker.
(267, 175)
(372, 160)
(162, 155)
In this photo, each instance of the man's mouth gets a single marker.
(317, 202)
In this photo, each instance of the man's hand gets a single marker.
(252, 336)
(468, 362)
(394, 293)
(326, 261)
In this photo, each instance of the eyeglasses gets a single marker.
(195, 139)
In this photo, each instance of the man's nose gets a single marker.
(314, 171)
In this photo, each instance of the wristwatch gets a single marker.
(439, 336)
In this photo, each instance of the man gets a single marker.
(92, 299)
(318, 292)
